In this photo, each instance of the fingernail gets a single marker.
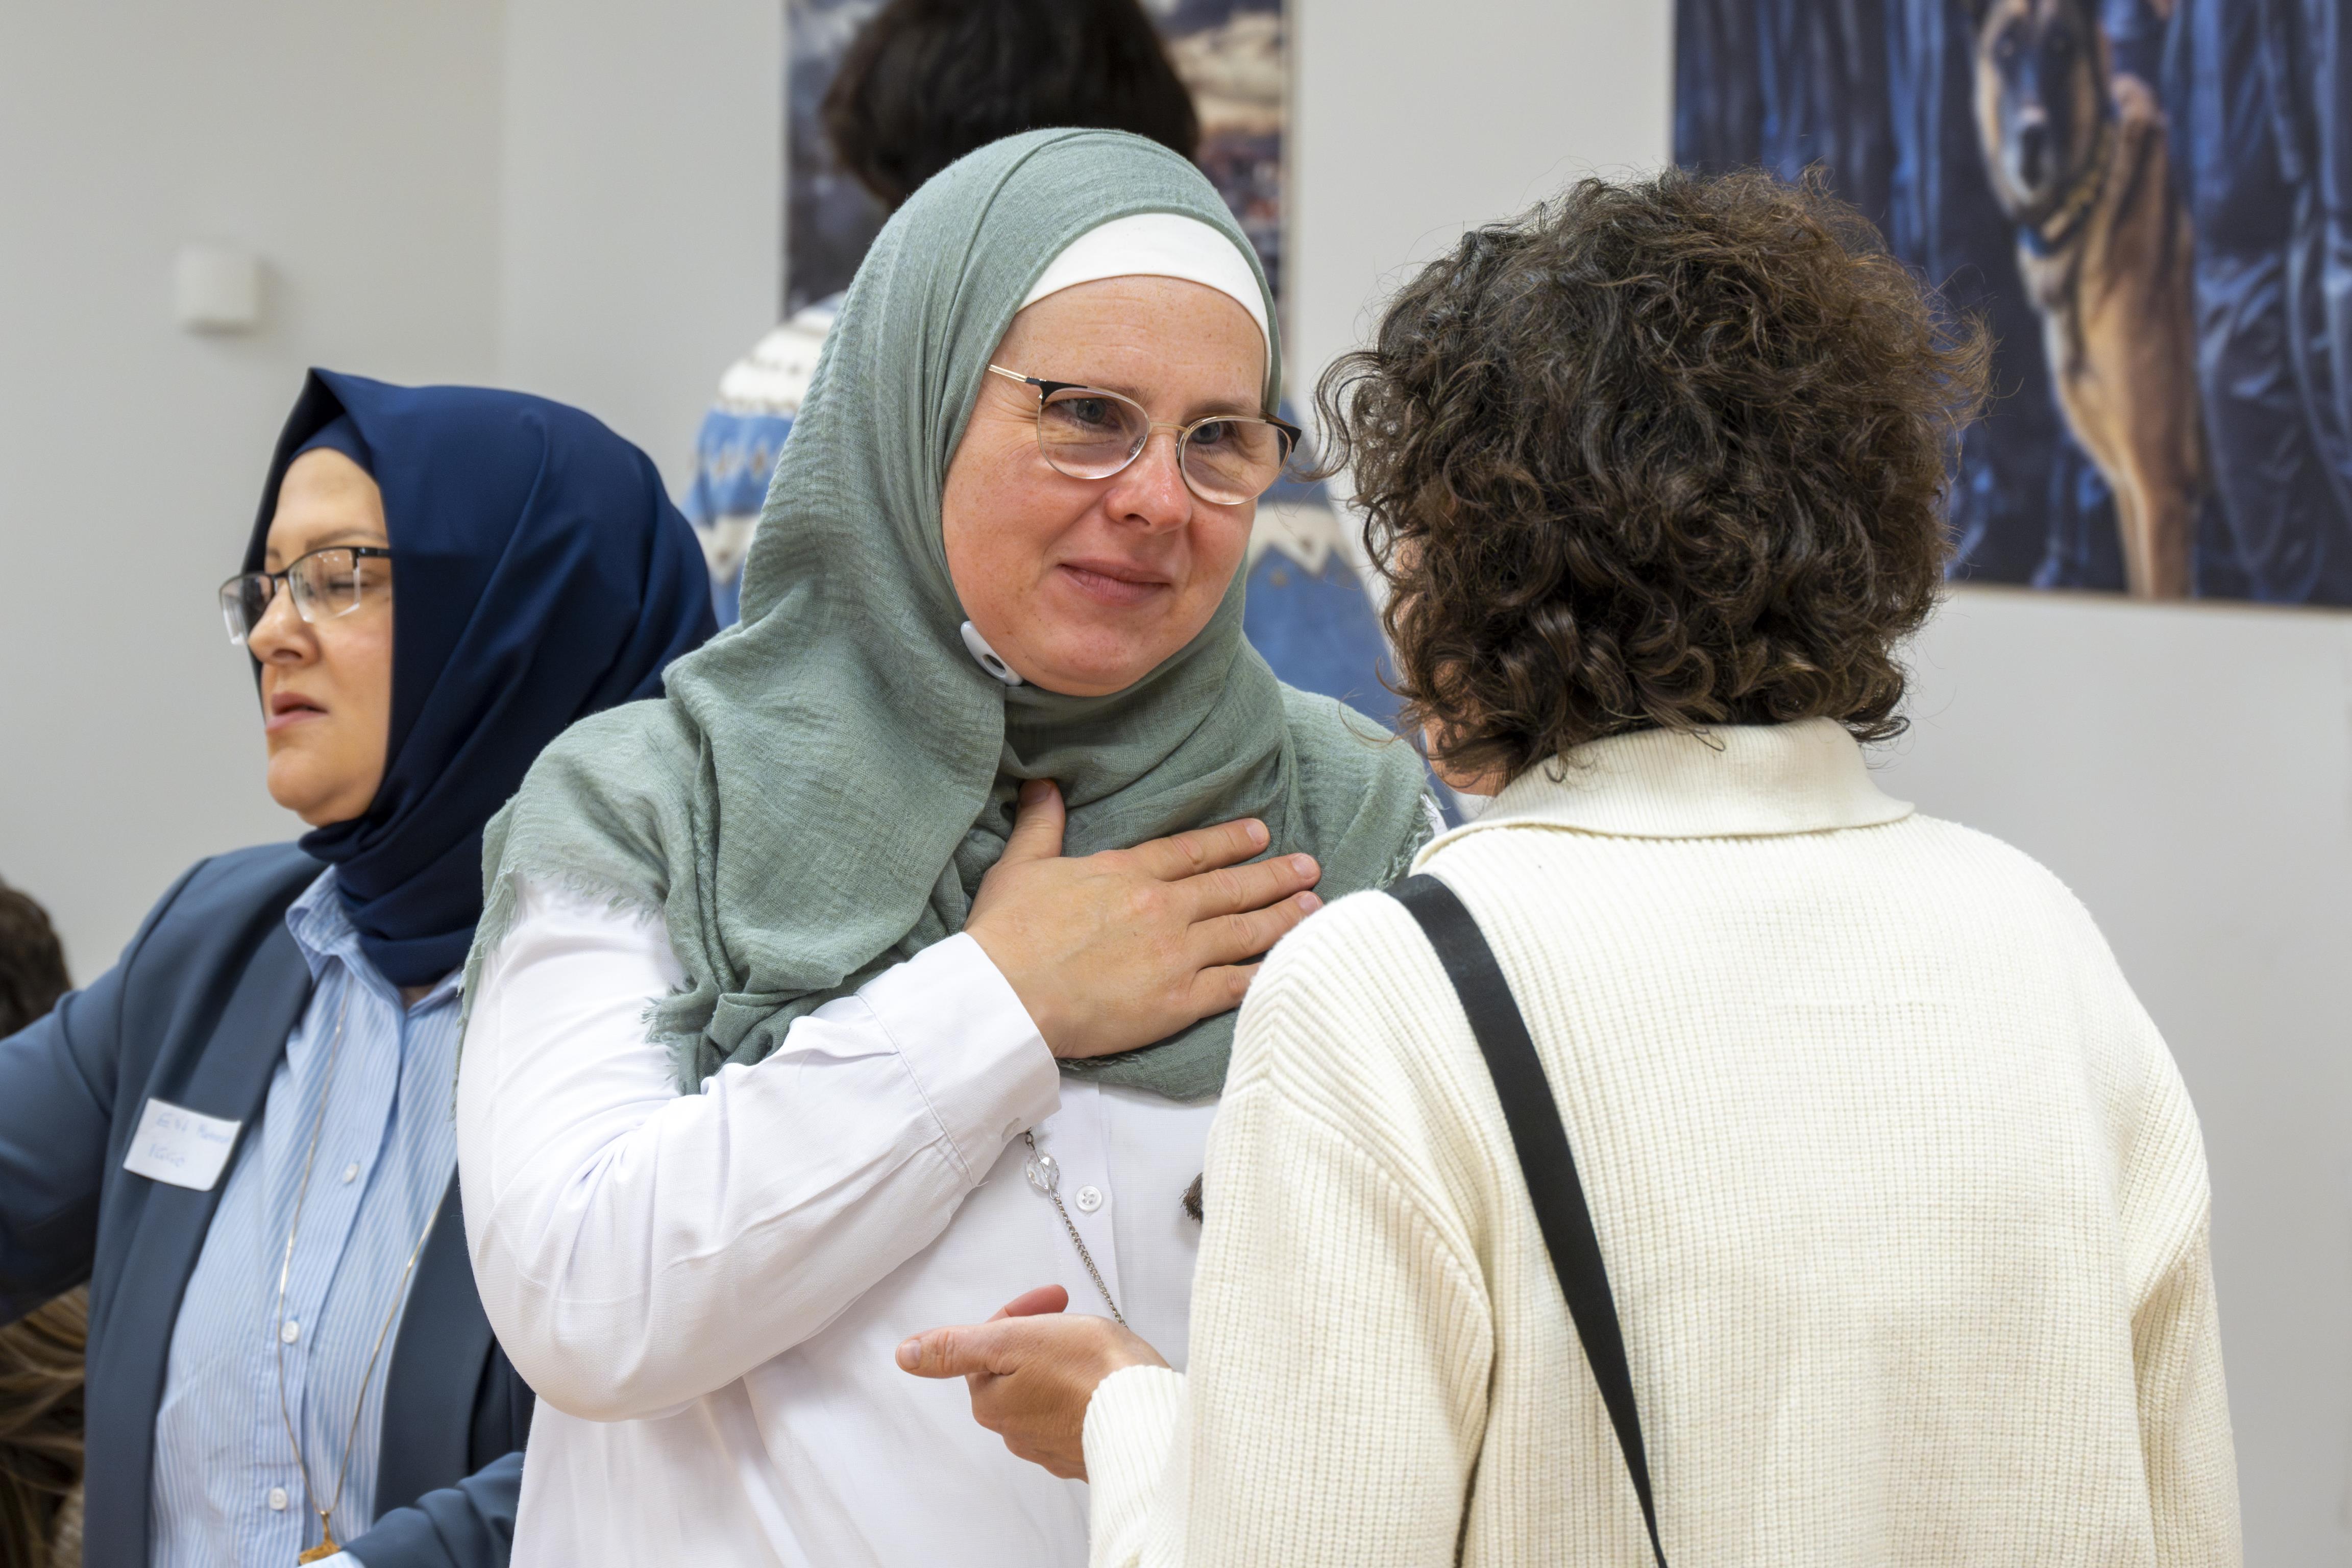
(1256, 831)
(910, 1355)
(1032, 790)
(1309, 902)
(1304, 865)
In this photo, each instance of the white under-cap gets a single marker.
(1155, 245)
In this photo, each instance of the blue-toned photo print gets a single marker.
(2151, 202)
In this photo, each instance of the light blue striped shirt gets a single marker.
(226, 1489)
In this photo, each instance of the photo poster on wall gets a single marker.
(2150, 204)
(1306, 609)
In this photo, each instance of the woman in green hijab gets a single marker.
(885, 965)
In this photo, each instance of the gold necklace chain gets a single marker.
(1044, 1174)
(328, 1546)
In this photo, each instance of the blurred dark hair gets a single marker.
(40, 1425)
(1667, 453)
(32, 962)
(41, 1353)
(929, 80)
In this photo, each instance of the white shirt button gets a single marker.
(351, 1175)
(288, 1331)
(277, 1499)
(1089, 1199)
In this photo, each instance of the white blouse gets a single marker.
(707, 1290)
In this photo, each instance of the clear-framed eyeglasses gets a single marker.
(325, 584)
(1090, 434)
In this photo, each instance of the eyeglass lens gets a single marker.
(1092, 435)
(325, 584)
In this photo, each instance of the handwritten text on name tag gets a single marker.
(184, 1147)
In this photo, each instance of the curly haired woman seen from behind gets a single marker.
(1900, 1200)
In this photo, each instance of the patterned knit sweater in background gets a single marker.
(1902, 1199)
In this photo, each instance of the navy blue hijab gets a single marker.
(539, 575)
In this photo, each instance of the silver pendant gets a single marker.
(1045, 1175)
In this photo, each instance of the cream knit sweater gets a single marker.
(1902, 1200)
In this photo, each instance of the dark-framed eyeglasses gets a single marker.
(324, 585)
(1087, 433)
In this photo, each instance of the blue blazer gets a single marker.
(198, 1012)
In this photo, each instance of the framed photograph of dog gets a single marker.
(2150, 201)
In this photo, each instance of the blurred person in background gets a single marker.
(890, 960)
(32, 961)
(240, 1135)
(41, 1353)
(923, 83)
(1895, 1218)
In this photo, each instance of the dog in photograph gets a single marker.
(2078, 161)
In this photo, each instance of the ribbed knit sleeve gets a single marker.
(2184, 1417)
(2165, 1206)
(1138, 1436)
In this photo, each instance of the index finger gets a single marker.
(1172, 859)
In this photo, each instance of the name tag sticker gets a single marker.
(185, 1148)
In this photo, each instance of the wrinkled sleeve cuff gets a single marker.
(971, 1047)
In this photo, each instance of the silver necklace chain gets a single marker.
(1044, 1174)
(327, 1545)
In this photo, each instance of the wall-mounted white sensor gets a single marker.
(217, 289)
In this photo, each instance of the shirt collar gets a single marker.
(1741, 780)
(323, 931)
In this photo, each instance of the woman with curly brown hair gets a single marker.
(1878, 1231)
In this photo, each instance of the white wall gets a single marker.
(1413, 122)
(346, 144)
(643, 217)
(581, 199)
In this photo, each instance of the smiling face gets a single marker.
(1084, 586)
(326, 686)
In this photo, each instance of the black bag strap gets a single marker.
(1533, 1116)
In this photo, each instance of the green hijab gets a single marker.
(818, 794)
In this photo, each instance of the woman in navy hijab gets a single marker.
(240, 1136)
